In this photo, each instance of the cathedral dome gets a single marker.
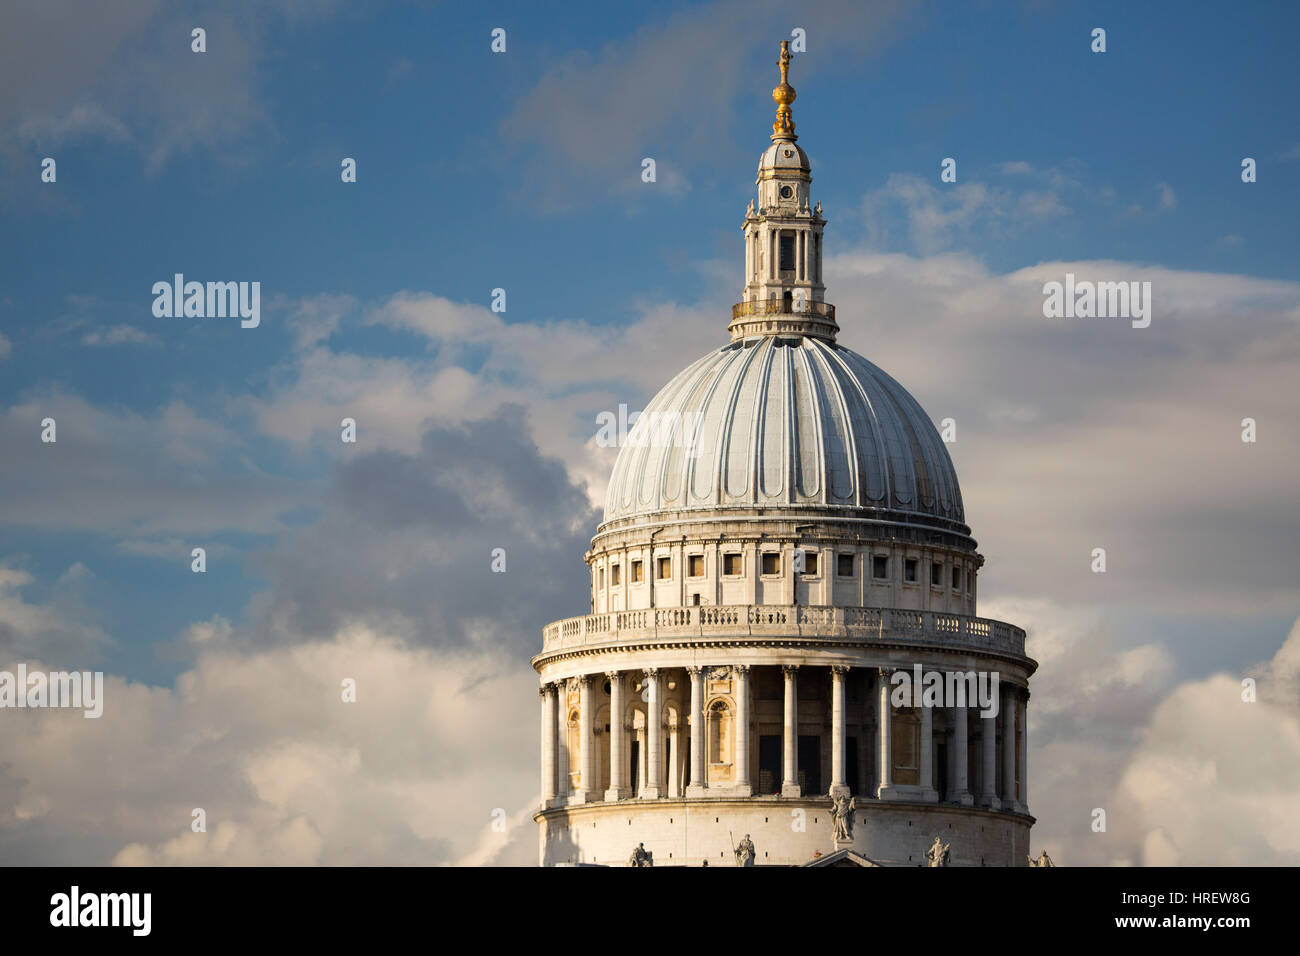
(786, 423)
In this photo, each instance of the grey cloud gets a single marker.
(407, 540)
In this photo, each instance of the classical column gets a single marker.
(673, 783)
(961, 776)
(839, 787)
(741, 738)
(698, 779)
(989, 776)
(1023, 796)
(547, 693)
(653, 788)
(790, 738)
(562, 755)
(1009, 749)
(885, 776)
(586, 742)
(927, 753)
(617, 737)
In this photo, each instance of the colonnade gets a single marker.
(559, 789)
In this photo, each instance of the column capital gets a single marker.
(740, 669)
(650, 671)
(884, 673)
(790, 670)
(695, 670)
(613, 675)
(839, 670)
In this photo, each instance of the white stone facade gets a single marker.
(764, 569)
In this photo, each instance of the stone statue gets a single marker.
(640, 857)
(937, 855)
(1043, 860)
(842, 808)
(745, 852)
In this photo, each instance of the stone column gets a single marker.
(961, 776)
(839, 786)
(927, 753)
(989, 776)
(790, 738)
(884, 721)
(742, 785)
(586, 742)
(562, 755)
(653, 788)
(618, 788)
(1023, 796)
(698, 779)
(547, 693)
(673, 783)
(1009, 749)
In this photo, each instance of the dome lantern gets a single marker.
(783, 292)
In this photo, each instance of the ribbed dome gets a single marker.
(786, 422)
(783, 156)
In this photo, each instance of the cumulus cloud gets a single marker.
(285, 771)
(391, 587)
(63, 631)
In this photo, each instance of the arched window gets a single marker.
(719, 732)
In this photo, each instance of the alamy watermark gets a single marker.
(930, 688)
(655, 429)
(208, 300)
(82, 689)
(1103, 300)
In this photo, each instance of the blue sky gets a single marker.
(415, 95)
(522, 171)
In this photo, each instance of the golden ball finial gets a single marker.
(784, 95)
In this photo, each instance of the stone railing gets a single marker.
(781, 620)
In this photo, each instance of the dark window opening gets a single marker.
(787, 252)
(879, 566)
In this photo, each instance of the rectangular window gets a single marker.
(845, 565)
(956, 579)
(614, 577)
(665, 568)
(936, 573)
(695, 565)
(809, 562)
(636, 571)
(787, 252)
(731, 564)
(771, 562)
(909, 570)
(879, 566)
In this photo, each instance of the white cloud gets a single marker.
(286, 772)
